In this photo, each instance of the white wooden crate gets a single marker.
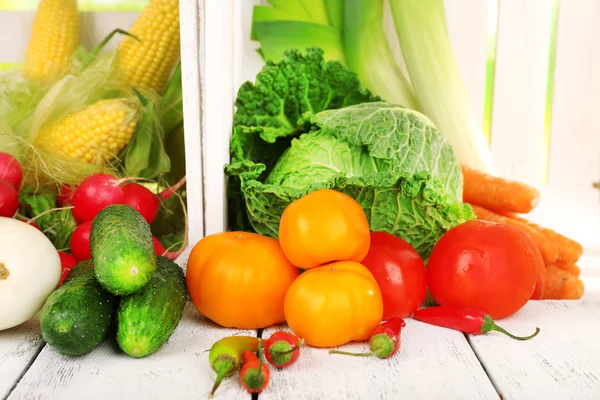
(562, 163)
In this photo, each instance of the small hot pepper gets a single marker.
(255, 374)
(463, 319)
(226, 354)
(384, 342)
(282, 349)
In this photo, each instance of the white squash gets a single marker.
(29, 271)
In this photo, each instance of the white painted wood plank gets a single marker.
(247, 62)
(192, 54)
(522, 53)
(574, 139)
(216, 72)
(18, 347)
(179, 370)
(467, 22)
(432, 363)
(562, 362)
(95, 26)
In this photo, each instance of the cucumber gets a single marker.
(76, 317)
(146, 319)
(122, 249)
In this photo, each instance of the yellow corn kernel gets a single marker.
(148, 63)
(95, 134)
(54, 37)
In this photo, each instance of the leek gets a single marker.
(369, 55)
(434, 74)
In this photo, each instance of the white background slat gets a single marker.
(432, 363)
(217, 106)
(517, 126)
(562, 362)
(18, 347)
(191, 32)
(179, 370)
(94, 27)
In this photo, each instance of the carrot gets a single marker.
(569, 250)
(561, 285)
(571, 269)
(497, 194)
(547, 248)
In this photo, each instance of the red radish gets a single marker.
(28, 221)
(9, 199)
(80, 241)
(10, 170)
(95, 192)
(142, 200)
(67, 262)
(158, 246)
(65, 195)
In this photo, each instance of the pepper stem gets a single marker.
(490, 325)
(351, 354)
(300, 343)
(216, 385)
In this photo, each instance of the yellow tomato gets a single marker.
(334, 304)
(322, 227)
(239, 279)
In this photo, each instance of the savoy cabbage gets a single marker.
(392, 160)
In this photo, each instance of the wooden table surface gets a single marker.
(562, 362)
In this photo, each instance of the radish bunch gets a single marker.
(11, 176)
(101, 190)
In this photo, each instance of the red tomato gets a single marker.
(67, 262)
(485, 265)
(399, 272)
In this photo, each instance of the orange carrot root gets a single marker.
(546, 247)
(561, 285)
(497, 194)
(571, 269)
(569, 250)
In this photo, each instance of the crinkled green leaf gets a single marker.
(57, 225)
(412, 207)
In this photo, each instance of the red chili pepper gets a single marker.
(384, 342)
(283, 349)
(464, 319)
(255, 374)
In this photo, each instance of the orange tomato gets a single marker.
(322, 227)
(334, 304)
(239, 279)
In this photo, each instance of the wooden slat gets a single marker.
(468, 26)
(247, 62)
(562, 362)
(18, 347)
(179, 370)
(574, 139)
(432, 363)
(522, 52)
(217, 62)
(192, 55)
(95, 26)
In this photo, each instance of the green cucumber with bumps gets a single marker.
(148, 318)
(122, 249)
(77, 317)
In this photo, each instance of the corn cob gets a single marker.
(95, 134)
(148, 63)
(54, 37)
